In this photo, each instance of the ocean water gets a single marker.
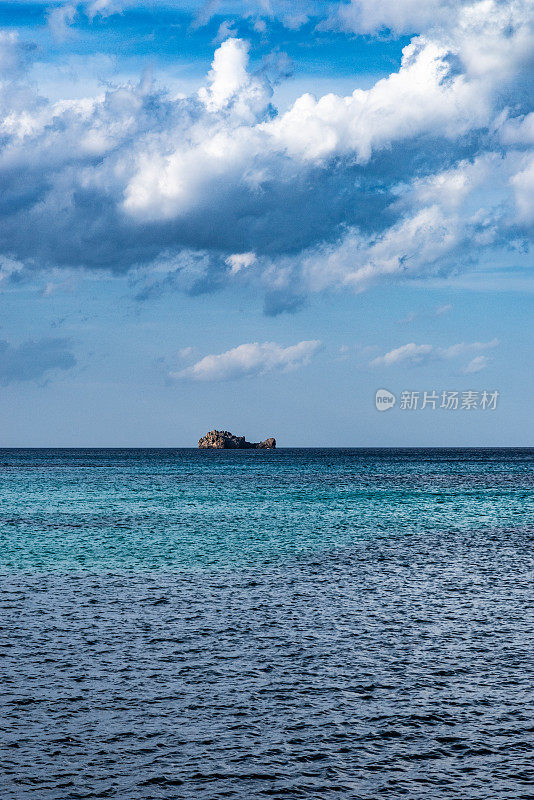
(252, 624)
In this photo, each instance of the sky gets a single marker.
(254, 215)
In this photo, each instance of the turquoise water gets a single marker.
(289, 623)
(154, 509)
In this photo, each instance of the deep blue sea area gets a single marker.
(312, 623)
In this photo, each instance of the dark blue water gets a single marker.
(286, 624)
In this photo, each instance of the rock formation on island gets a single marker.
(224, 440)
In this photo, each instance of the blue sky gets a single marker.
(254, 215)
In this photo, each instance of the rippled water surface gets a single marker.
(286, 624)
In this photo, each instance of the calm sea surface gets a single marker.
(286, 624)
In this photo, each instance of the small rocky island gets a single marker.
(224, 440)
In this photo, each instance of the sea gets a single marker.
(290, 623)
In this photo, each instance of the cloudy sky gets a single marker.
(254, 215)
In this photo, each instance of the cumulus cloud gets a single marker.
(415, 177)
(33, 360)
(415, 354)
(240, 261)
(249, 359)
(523, 183)
(231, 87)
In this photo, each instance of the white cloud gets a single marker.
(415, 354)
(464, 347)
(411, 353)
(226, 30)
(60, 19)
(519, 130)
(400, 16)
(477, 364)
(8, 269)
(186, 352)
(417, 244)
(249, 359)
(231, 87)
(240, 261)
(436, 231)
(423, 97)
(523, 183)
(415, 177)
